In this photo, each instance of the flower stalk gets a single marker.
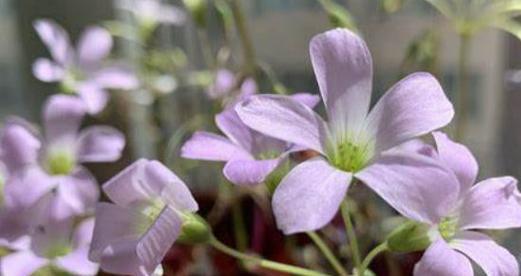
(351, 235)
(371, 255)
(326, 251)
(463, 79)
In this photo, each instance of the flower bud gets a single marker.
(408, 237)
(194, 230)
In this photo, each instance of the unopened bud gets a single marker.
(408, 237)
(194, 230)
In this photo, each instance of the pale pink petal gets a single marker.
(26, 187)
(415, 185)
(47, 71)
(344, 71)
(441, 260)
(458, 158)
(62, 117)
(153, 246)
(77, 263)
(49, 234)
(208, 146)
(284, 119)
(223, 84)
(20, 147)
(306, 99)
(116, 77)
(94, 97)
(94, 45)
(100, 144)
(231, 125)
(492, 204)
(21, 263)
(309, 196)
(55, 39)
(83, 233)
(249, 172)
(414, 106)
(492, 258)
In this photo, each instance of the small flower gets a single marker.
(353, 139)
(55, 248)
(249, 155)
(150, 13)
(442, 196)
(81, 71)
(133, 235)
(46, 168)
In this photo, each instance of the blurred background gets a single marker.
(403, 36)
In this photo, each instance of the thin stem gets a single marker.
(263, 263)
(327, 253)
(244, 36)
(204, 41)
(353, 242)
(241, 236)
(463, 80)
(377, 250)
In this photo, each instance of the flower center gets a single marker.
(57, 250)
(151, 210)
(71, 78)
(448, 227)
(60, 162)
(350, 156)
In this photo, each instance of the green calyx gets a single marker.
(448, 228)
(409, 237)
(194, 230)
(274, 178)
(349, 156)
(60, 162)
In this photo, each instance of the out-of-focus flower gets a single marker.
(470, 16)
(55, 248)
(249, 155)
(81, 71)
(353, 139)
(150, 206)
(443, 197)
(150, 13)
(46, 169)
(223, 84)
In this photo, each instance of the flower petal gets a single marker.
(26, 187)
(21, 263)
(222, 85)
(231, 125)
(116, 77)
(19, 146)
(414, 106)
(94, 45)
(114, 224)
(441, 260)
(494, 203)
(50, 234)
(309, 196)
(100, 144)
(94, 97)
(249, 172)
(162, 181)
(62, 117)
(77, 262)
(47, 70)
(307, 99)
(344, 71)
(415, 185)
(208, 146)
(458, 158)
(284, 119)
(494, 259)
(55, 39)
(126, 188)
(154, 245)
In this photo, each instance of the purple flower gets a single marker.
(45, 169)
(81, 71)
(149, 13)
(249, 155)
(133, 235)
(224, 83)
(353, 138)
(442, 196)
(55, 247)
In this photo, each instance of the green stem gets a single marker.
(202, 35)
(377, 250)
(463, 93)
(327, 253)
(261, 262)
(244, 36)
(239, 227)
(353, 242)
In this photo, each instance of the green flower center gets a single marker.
(448, 227)
(60, 162)
(57, 250)
(71, 78)
(350, 156)
(151, 211)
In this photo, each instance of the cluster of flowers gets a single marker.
(49, 199)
